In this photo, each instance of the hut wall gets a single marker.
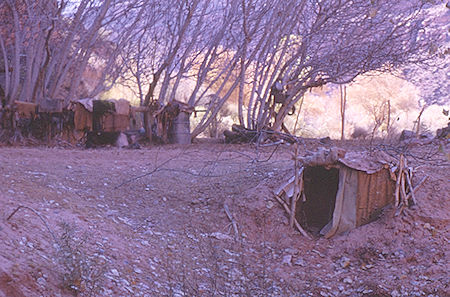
(344, 215)
(82, 118)
(115, 122)
(25, 110)
(51, 105)
(359, 200)
(375, 191)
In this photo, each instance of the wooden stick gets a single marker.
(403, 190)
(232, 220)
(36, 213)
(288, 211)
(399, 210)
(397, 194)
(272, 143)
(397, 186)
(418, 186)
(411, 193)
(296, 188)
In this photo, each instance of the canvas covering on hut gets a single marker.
(120, 119)
(25, 110)
(107, 116)
(341, 191)
(83, 109)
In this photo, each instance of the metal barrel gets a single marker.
(180, 132)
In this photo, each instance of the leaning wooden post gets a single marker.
(296, 187)
(399, 177)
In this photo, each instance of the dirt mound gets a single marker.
(153, 223)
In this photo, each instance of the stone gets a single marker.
(42, 281)
(428, 226)
(220, 236)
(115, 272)
(287, 260)
(344, 262)
(407, 134)
(122, 141)
(348, 280)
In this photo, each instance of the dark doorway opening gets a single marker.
(320, 188)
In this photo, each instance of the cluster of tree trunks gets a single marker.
(233, 50)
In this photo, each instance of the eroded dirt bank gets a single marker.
(151, 222)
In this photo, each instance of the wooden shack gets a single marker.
(339, 191)
(101, 115)
(25, 110)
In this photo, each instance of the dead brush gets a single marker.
(83, 273)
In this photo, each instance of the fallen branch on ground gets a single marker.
(36, 213)
(288, 211)
(417, 187)
(232, 220)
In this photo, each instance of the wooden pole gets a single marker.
(397, 186)
(288, 211)
(343, 91)
(296, 187)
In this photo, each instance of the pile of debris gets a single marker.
(166, 123)
(172, 121)
(240, 134)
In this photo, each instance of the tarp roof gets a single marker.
(369, 162)
(122, 105)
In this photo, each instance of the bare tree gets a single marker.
(255, 17)
(189, 41)
(267, 53)
(53, 43)
(343, 104)
(312, 43)
(431, 77)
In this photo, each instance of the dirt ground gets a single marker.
(151, 222)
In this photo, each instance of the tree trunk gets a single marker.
(343, 91)
(6, 65)
(93, 34)
(17, 51)
(389, 118)
(419, 120)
